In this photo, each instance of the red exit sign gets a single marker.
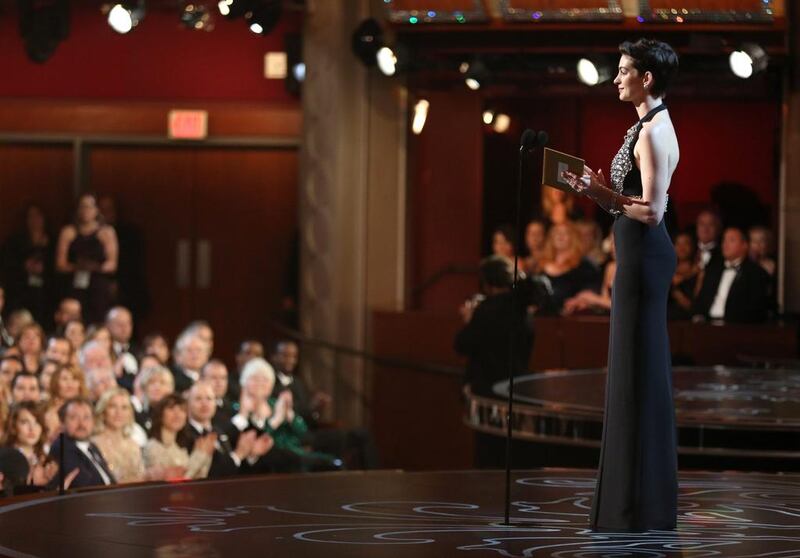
(187, 124)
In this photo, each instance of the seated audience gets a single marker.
(761, 249)
(100, 380)
(66, 383)
(685, 281)
(25, 387)
(248, 350)
(707, 229)
(166, 454)
(734, 289)
(565, 267)
(6, 340)
(16, 321)
(558, 207)
(503, 242)
(79, 451)
(113, 436)
(31, 346)
(152, 385)
(10, 366)
(48, 369)
(75, 332)
(535, 235)
(203, 330)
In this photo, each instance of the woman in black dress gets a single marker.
(637, 486)
(87, 252)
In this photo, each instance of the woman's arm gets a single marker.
(594, 185)
(108, 237)
(64, 239)
(654, 168)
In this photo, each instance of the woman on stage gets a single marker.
(637, 485)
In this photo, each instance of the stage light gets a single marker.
(265, 16)
(488, 117)
(367, 41)
(387, 61)
(420, 116)
(124, 16)
(299, 72)
(593, 71)
(224, 7)
(197, 17)
(233, 9)
(502, 122)
(749, 60)
(476, 75)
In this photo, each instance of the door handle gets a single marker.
(203, 263)
(183, 263)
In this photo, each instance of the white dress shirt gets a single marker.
(717, 309)
(84, 447)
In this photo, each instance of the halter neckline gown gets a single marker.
(637, 478)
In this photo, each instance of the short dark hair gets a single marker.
(496, 271)
(655, 57)
(62, 411)
(157, 418)
(19, 375)
(740, 230)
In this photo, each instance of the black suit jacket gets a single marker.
(485, 343)
(74, 457)
(222, 464)
(182, 381)
(749, 298)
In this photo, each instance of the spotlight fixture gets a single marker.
(124, 16)
(234, 8)
(197, 16)
(420, 116)
(387, 61)
(476, 75)
(367, 41)
(502, 122)
(488, 116)
(748, 60)
(264, 16)
(593, 70)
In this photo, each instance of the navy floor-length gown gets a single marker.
(637, 484)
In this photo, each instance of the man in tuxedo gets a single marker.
(227, 461)
(58, 349)
(216, 373)
(79, 452)
(734, 288)
(707, 228)
(69, 309)
(191, 354)
(119, 322)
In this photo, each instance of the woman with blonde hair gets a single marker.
(113, 436)
(564, 266)
(66, 383)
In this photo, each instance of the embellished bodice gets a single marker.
(625, 176)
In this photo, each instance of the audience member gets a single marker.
(248, 350)
(31, 346)
(49, 368)
(17, 320)
(152, 385)
(558, 207)
(166, 454)
(156, 345)
(503, 242)
(203, 330)
(59, 349)
(685, 281)
(99, 381)
(191, 354)
(589, 300)
(69, 309)
(734, 289)
(707, 230)
(87, 252)
(591, 242)
(75, 332)
(761, 249)
(535, 235)
(113, 436)
(5, 337)
(565, 267)
(216, 373)
(79, 451)
(119, 323)
(66, 383)
(25, 387)
(10, 366)
(27, 261)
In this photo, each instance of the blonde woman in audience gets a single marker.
(113, 436)
(166, 453)
(153, 383)
(564, 265)
(761, 248)
(31, 346)
(558, 207)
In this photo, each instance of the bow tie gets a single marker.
(733, 265)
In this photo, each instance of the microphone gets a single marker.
(542, 138)
(528, 140)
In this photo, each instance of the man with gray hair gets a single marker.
(191, 354)
(100, 380)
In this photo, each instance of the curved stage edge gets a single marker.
(722, 413)
(396, 514)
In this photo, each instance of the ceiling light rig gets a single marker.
(749, 60)
(197, 16)
(593, 70)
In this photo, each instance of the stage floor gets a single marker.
(395, 514)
